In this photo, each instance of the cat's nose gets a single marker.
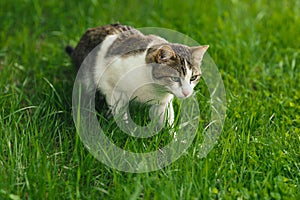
(185, 93)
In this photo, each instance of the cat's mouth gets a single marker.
(182, 97)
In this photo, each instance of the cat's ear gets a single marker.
(164, 54)
(198, 53)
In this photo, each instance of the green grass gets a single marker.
(256, 46)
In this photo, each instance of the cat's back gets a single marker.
(95, 36)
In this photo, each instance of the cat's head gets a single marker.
(176, 67)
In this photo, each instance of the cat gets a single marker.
(171, 69)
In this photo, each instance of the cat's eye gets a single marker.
(175, 79)
(194, 77)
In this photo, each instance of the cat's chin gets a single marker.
(183, 97)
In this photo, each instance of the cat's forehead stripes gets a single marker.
(182, 59)
(182, 51)
(183, 66)
(180, 65)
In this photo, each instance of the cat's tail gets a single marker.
(75, 58)
(69, 50)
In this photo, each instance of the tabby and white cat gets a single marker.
(158, 70)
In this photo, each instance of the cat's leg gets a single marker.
(171, 118)
(161, 112)
(117, 103)
(170, 114)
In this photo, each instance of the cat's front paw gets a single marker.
(125, 118)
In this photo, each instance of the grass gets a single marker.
(256, 47)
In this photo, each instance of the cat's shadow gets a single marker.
(139, 113)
